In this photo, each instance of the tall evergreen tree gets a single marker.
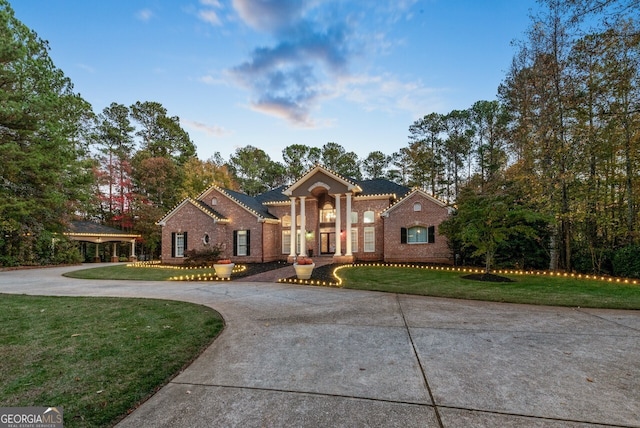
(42, 176)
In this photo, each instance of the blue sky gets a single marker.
(274, 73)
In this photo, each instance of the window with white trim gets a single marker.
(286, 241)
(368, 217)
(241, 243)
(369, 239)
(417, 234)
(327, 213)
(417, 206)
(354, 217)
(354, 240)
(179, 245)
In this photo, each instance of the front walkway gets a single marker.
(284, 272)
(328, 357)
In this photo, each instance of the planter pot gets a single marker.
(223, 270)
(303, 271)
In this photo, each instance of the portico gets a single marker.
(324, 192)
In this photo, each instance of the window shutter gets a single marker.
(431, 234)
(403, 235)
(248, 243)
(185, 241)
(235, 242)
(173, 244)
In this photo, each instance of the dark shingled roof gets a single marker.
(380, 186)
(251, 203)
(274, 195)
(210, 210)
(91, 227)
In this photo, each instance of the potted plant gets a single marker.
(223, 268)
(304, 267)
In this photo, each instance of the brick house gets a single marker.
(386, 222)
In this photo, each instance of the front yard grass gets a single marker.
(528, 289)
(163, 273)
(96, 357)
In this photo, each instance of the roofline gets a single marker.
(245, 207)
(172, 212)
(385, 213)
(113, 235)
(377, 196)
(353, 187)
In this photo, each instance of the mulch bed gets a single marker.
(322, 273)
(256, 268)
(487, 277)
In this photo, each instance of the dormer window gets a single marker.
(214, 202)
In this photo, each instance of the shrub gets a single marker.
(626, 261)
(203, 258)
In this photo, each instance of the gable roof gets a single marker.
(215, 215)
(385, 213)
(350, 185)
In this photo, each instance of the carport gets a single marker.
(89, 231)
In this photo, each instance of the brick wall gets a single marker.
(360, 207)
(196, 223)
(403, 215)
(192, 220)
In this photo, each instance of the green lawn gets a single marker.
(122, 271)
(95, 357)
(530, 289)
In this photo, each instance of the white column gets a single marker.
(292, 246)
(133, 248)
(114, 252)
(303, 227)
(348, 237)
(338, 225)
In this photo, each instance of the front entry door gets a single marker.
(327, 242)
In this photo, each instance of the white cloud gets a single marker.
(389, 94)
(210, 16)
(212, 80)
(318, 45)
(86, 67)
(144, 15)
(213, 130)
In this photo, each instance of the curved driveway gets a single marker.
(310, 356)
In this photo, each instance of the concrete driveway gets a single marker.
(313, 357)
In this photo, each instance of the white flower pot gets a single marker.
(303, 271)
(224, 270)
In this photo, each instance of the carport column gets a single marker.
(133, 248)
(348, 234)
(338, 226)
(303, 226)
(114, 252)
(292, 240)
(96, 258)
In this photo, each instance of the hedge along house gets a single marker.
(321, 214)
